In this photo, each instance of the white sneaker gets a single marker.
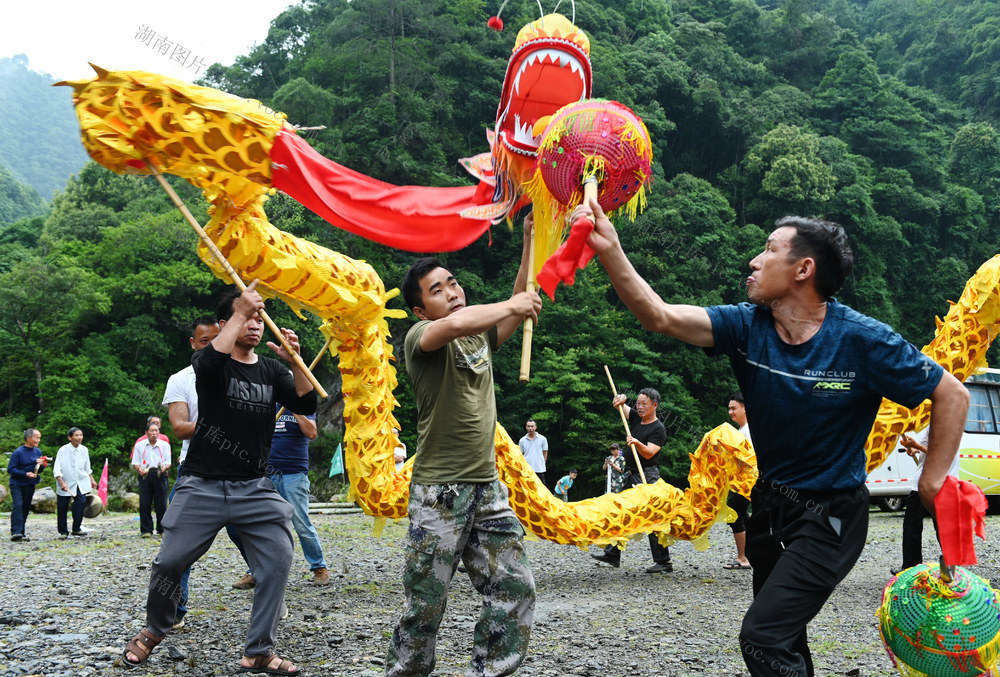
(284, 610)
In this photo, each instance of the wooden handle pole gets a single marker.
(638, 462)
(237, 280)
(312, 365)
(589, 189)
(529, 325)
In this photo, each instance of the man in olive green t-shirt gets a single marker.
(458, 508)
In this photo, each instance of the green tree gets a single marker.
(17, 200)
(42, 302)
(974, 157)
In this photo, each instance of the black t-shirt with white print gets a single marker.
(236, 414)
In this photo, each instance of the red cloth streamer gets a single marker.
(413, 218)
(574, 253)
(961, 508)
(102, 486)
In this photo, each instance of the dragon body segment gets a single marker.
(227, 146)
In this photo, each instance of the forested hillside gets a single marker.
(39, 136)
(880, 115)
(17, 200)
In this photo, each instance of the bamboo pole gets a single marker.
(638, 462)
(529, 324)
(234, 276)
(312, 365)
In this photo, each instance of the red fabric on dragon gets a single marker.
(413, 218)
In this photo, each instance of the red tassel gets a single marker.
(496, 23)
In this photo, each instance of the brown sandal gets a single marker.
(260, 666)
(141, 646)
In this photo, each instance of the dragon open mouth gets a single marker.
(547, 75)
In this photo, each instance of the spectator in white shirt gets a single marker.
(75, 479)
(151, 459)
(535, 448)
(738, 412)
(159, 424)
(181, 401)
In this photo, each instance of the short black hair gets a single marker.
(72, 430)
(573, 472)
(205, 321)
(614, 445)
(736, 397)
(411, 281)
(225, 308)
(651, 394)
(826, 243)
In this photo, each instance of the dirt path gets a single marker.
(67, 607)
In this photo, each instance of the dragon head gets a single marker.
(549, 68)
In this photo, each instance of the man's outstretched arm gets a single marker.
(690, 324)
(477, 319)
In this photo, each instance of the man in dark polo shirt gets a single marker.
(813, 373)
(648, 436)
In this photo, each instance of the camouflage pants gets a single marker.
(475, 524)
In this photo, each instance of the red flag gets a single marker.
(102, 486)
(960, 508)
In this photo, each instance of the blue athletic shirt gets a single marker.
(289, 447)
(812, 406)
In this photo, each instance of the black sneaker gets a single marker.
(607, 559)
(17, 537)
(80, 532)
(63, 536)
(660, 568)
(895, 571)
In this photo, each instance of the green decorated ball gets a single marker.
(945, 630)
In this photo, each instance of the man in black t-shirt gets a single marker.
(225, 480)
(648, 436)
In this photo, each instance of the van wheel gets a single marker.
(890, 503)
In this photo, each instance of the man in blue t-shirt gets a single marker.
(288, 469)
(813, 373)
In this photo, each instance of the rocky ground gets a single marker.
(68, 607)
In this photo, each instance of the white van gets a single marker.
(979, 451)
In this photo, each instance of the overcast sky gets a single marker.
(61, 36)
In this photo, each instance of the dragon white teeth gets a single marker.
(522, 132)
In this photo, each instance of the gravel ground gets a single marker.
(68, 607)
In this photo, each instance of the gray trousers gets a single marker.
(202, 507)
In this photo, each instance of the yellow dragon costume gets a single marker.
(237, 151)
